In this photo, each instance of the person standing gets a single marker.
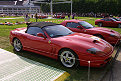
(36, 17)
(69, 16)
(27, 18)
(73, 16)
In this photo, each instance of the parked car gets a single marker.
(58, 42)
(59, 16)
(8, 23)
(79, 26)
(41, 16)
(108, 21)
(3, 15)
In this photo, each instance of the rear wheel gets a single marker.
(100, 24)
(68, 58)
(119, 25)
(17, 45)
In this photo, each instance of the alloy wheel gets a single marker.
(67, 58)
(17, 45)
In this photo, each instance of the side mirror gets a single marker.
(40, 35)
(79, 27)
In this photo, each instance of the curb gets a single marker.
(62, 77)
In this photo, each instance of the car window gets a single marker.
(57, 31)
(86, 25)
(34, 31)
(72, 24)
(107, 19)
(102, 19)
(115, 19)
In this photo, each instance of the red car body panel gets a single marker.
(78, 42)
(96, 31)
(108, 23)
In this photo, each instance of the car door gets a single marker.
(108, 22)
(33, 42)
(74, 27)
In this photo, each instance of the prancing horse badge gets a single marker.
(49, 41)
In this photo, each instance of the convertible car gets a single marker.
(79, 26)
(108, 21)
(58, 42)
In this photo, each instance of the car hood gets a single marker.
(100, 29)
(83, 39)
(98, 20)
(118, 21)
(86, 41)
(105, 30)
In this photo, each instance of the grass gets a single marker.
(77, 74)
(10, 17)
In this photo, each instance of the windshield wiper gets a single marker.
(89, 27)
(70, 33)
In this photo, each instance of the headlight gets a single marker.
(113, 35)
(92, 50)
(96, 51)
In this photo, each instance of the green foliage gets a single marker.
(85, 6)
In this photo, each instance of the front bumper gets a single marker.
(119, 42)
(98, 63)
(115, 42)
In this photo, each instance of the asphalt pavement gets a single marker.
(114, 74)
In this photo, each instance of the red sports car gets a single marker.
(109, 21)
(59, 16)
(79, 26)
(58, 42)
(42, 16)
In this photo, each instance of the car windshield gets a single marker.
(86, 25)
(57, 31)
(115, 19)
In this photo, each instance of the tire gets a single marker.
(68, 58)
(119, 25)
(100, 24)
(17, 45)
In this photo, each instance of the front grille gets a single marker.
(108, 59)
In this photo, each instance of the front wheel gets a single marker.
(119, 25)
(68, 58)
(17, 45)
(100, 24)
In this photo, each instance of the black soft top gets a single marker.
(41, 24)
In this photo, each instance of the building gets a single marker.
(18, 7)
